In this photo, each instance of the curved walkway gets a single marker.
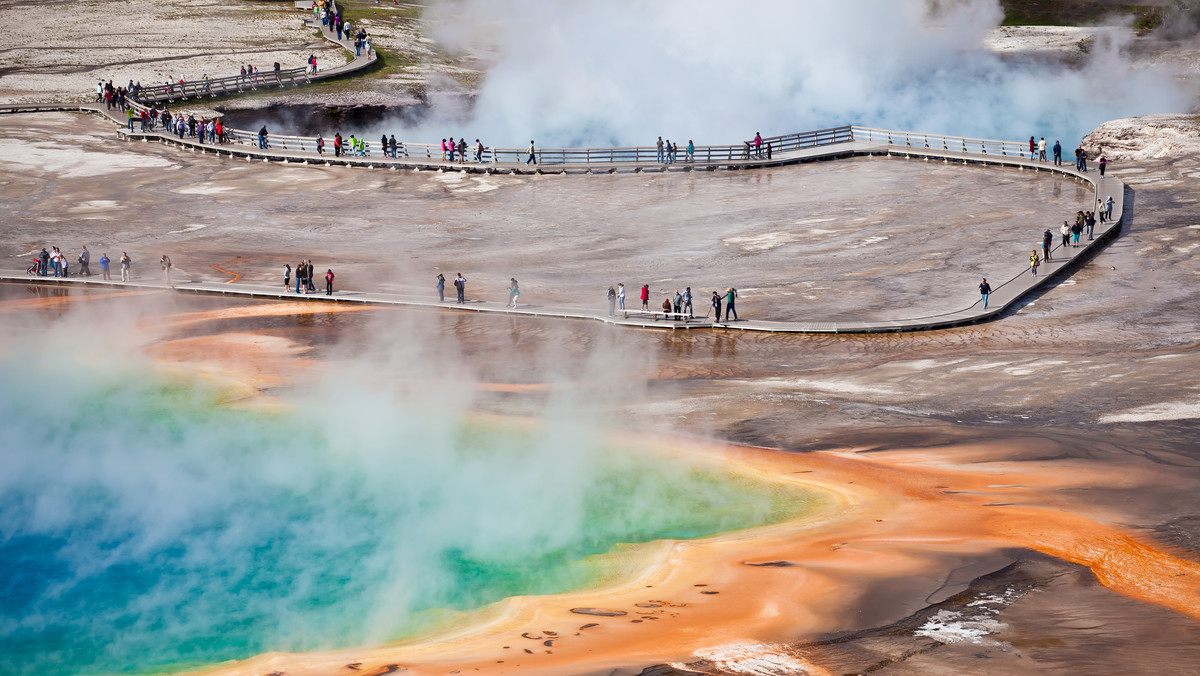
(1005, 295)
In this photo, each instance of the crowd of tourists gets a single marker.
(668, 153)
(53, 262)
(117, 97)
(1071, 233)
(306, 276)
(204, 130)
(1037, 153)
(331, 19)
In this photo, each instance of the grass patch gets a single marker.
(1147, 16)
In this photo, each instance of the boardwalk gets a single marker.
(1007, 292)
(827, 144)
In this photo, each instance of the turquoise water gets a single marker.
(144, 527)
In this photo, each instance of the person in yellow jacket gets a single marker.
(1033, 261)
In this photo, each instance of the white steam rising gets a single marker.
(623, 72)
(145, 526)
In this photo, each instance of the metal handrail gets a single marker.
(964, 144)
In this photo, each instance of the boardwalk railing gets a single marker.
(633, 155)
(234, 84)
(940, 142)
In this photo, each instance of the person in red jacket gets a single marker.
(645, 296)
(328, 282)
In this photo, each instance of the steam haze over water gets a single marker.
(145, 525)
(622, 72)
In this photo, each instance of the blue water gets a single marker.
(144, 527)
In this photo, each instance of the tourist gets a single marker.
(1089, 222)
(985, 290)
(1032, 149)
(691, 151)
(301, 271)
(99, 92)
(310, 275)
(262, 137)
(1042, 149)
(687, 302)
(337, 144)
(621, 295)
(328, 282)
(383, 146)
(85, 257)
(460, 286)
(666, 308)
(659, 146)
(478, 151)
(66, 265)
(513, 292)
(287, 276)
(532, 150)
(44, 257)
(443, 150)
(452, 147)
(612, 301)
(1047, 242)
(757, 153)
(677, 301)
(462, 151)
(126, 261)
(56, 261)
(441, 287)
(730, 299)
(1108, 205)
(1076, 231)
(1103, 162)
(165, 262)
(716, 303)
(1083, 158)
(104, 261)
(1065, 231)
(645, 296)
(392, 145)
(1033, 262)
(320, 145)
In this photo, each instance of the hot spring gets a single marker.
(146, 526)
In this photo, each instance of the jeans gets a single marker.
(262, 142)
(729, 308)
(985, 298)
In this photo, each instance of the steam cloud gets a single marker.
(143, 525)
(623, 72)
